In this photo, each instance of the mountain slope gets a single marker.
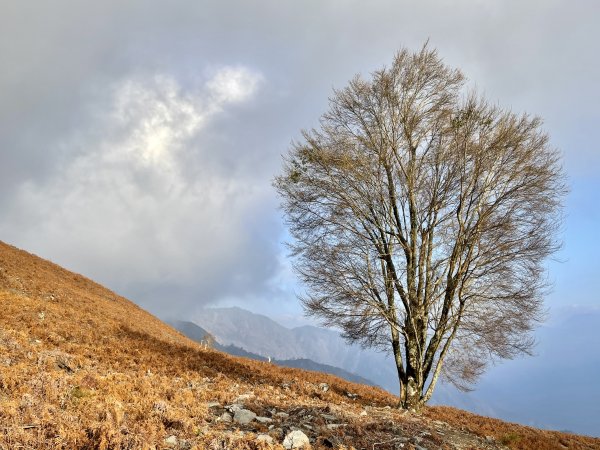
(260, 334)
(198, 334)
(83, 368)
(236, 326)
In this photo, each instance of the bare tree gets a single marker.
(421, 218)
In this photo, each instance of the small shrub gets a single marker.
(510, 438)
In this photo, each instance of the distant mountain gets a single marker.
(189, 329)
(328, 346)
(263, 336)
(198, 334)
(254, 332)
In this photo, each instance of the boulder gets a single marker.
(244, 416)
(296, 439)
(263, 419)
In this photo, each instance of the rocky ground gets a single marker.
(335, 426)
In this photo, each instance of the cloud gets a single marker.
(127, 208)
(232, 84)
(137, 137)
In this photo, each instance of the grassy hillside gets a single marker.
(83, 368)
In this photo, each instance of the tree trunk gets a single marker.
(411, 395)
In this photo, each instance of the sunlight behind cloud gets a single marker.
(128, 197)
(233, 84)
(157, 117)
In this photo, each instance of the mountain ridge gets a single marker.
(260, 334)
(199, 335)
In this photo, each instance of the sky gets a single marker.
(139, 139)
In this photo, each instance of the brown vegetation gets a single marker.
(83, 368)
(513, 435)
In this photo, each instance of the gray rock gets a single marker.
(244, 416)
(213, 405)
(171, 441)
(282, 414)
(233, 408)
(263, 419)
(324, 387)
(296, 439)
(328, 417)
(225, 417)
(333, 426)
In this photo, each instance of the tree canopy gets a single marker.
(421, 217)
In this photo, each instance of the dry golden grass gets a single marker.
(83, 368)
(513, 435)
